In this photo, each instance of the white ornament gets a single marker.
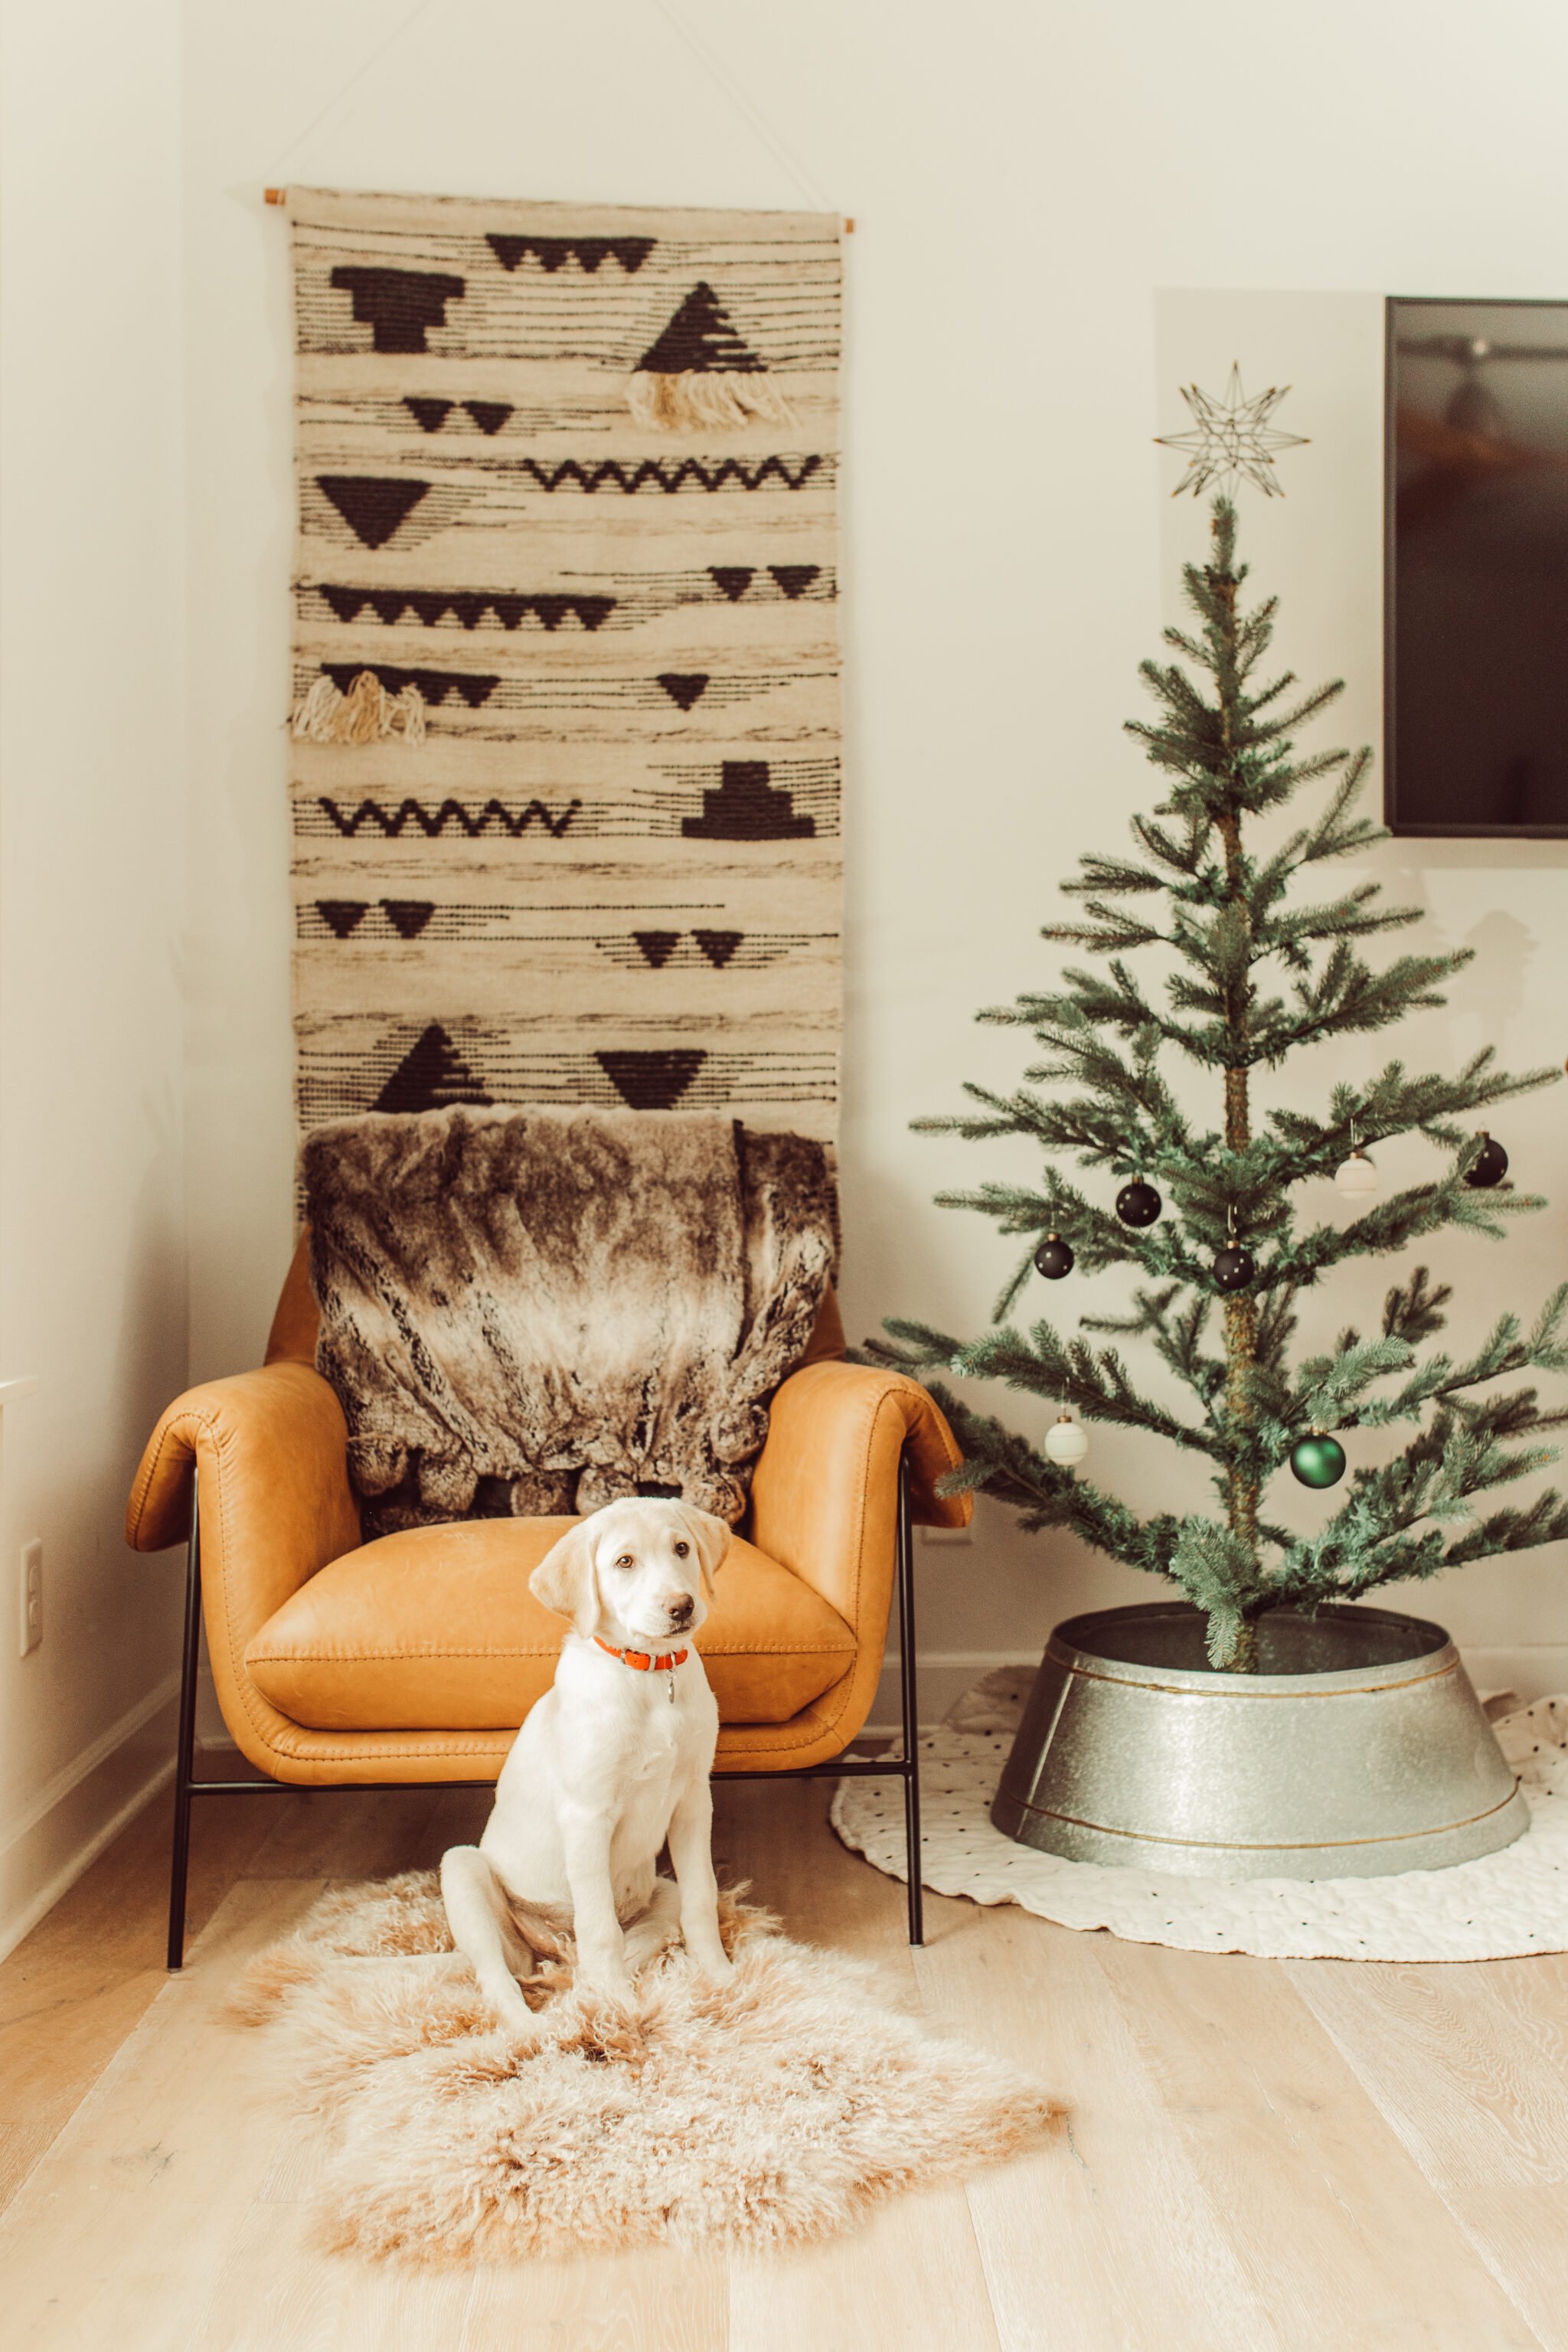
(1357, 1176)
(1066, 1441)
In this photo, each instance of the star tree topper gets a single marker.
(1234, 441)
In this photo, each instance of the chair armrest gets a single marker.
(280, 1431)
(825, 1492)
(272, 1448)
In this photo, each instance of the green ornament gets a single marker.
(1318, 1461)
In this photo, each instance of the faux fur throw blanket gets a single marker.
(539, 1311)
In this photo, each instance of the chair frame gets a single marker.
(905, 1766)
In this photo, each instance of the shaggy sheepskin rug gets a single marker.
(775, 2110)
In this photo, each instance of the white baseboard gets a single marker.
(944, 1677)
(1532, 1669)
(82, 1809)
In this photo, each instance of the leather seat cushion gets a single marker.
(435, 1629)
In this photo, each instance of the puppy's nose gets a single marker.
(680, 1610)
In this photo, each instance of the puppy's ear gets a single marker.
(711, 1538)
(563, 1580)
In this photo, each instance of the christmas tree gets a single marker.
(1208, 1221)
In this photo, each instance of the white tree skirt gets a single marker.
(1503, 1906)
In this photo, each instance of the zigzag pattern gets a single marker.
(670, 473)
(430, 606)
(434, 822)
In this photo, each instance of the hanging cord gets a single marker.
(752, 115)
(404, 25)
(756, 122)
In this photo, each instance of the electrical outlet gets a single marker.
(32, 1595)
(948, 1535)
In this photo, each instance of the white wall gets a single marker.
(1024, 180)
(92, 1242)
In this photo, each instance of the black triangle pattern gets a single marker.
(552, 252)
(430, 606)
(342, 917)
(434, 685)
(431, 1074)
(651, 1081)
(718, 946)
(656, 947)
(428, 414)
(700, 339)
(408, 917)
(374, 505)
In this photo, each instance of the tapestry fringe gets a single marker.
(366, 714)
(722, 397)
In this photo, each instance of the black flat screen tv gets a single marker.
(1476, 569)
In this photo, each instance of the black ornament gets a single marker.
(1138, 1204)
(1053, 1258)
(1233, 1268)
(1490, 1168)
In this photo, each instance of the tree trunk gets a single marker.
(1243, 1659)
(1242, 1493)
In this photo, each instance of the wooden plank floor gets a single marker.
(1262, 2155)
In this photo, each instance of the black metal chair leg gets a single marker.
(186, 1743)
(909, 1682)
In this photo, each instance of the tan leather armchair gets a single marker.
(413, 1659)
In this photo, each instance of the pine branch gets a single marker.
(1218, 1575)
(998, 1463)
(1177, 1337)
(1393, 1224)
(1336, 833)
(1392, 1526)
(1113, 874)
(1393, 1105)
(1093, 1381)
(1413, 1311)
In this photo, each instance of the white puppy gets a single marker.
(613, 1761)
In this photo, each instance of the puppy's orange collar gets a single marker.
(644, 1660)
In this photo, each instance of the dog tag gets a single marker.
(672, 1685)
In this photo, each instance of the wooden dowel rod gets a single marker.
(281, 196)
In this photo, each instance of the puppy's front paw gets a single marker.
(713, 1964)
(512, 2012)
(608, 1985)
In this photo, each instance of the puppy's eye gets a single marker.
(625, 1560)
(681, 1549)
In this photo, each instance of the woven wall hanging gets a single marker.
(566, 734)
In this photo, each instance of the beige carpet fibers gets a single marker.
(775, 2111)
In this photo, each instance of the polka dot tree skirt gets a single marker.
(1497, 1908)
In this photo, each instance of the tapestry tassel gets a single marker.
(722, 397)
(365, 714)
